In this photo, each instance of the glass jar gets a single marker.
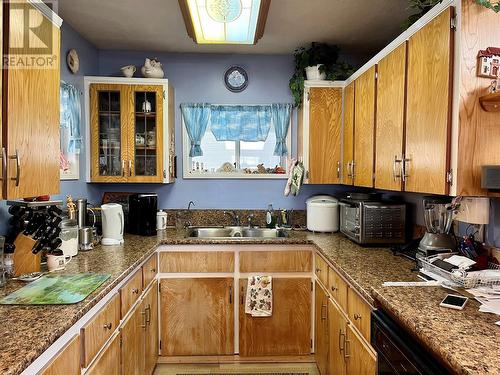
(69, 237)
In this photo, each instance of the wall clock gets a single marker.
(236, 79)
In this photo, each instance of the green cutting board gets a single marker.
(56, 289)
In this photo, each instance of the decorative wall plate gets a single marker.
(73, 61)
(236, 79)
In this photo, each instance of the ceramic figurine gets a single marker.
(152, 69)
(146, 106)
(128, 71)
(261, 169)
(226, 167)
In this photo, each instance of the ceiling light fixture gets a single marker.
(225, 21)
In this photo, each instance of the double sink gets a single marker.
(236, 232)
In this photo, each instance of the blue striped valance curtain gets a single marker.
(249, 123)
(196, 117)
(70, 117)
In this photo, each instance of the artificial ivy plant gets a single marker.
(318, 53)
(420, 7)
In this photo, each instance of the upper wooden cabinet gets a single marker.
(428, 123)
(131, 130)
(390, 114)
(30, 97)
(320, 132)
(364, 129)
(348, 135)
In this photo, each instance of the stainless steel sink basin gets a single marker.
(234, 232)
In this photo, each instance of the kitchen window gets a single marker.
(240, 157)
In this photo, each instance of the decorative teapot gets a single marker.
(152, 69)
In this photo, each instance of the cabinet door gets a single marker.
(337, 324)
(151, 335)
(130, 292)
(428, 123)
(288, 330)
(108, 143)
(197, 316)
(364, 128)
(390, 119)
(348, 135)
(359, 313)
(145, 133)
(325, 123)
(67, 361)
(108, 362)
(31, 135)
(321, 329)
(360, 358)
(133, 334)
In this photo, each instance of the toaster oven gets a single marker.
(372, 223)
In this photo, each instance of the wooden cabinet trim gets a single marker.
(109, 360)
(99, 329)
(359, 313)
(67, 361)
(149, 271)
(196, 261)
(276, 261)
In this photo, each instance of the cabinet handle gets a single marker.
(341, 341)
(230, 294)
(108, 326)
(323, 307)
(403, 168)
(357, 316)
(318, 270)
(153, 270)
(123, 168)
(135, 291)
(4, 165)
(338, 169)
(395, 168)
(353, 164)
(334, 288)
(349, 169)
(130, 168)
(242, 299)
(18, 167)
(346, 355)
(148, 314)
(143, 313)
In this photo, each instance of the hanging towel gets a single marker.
(259, 299)
(297, 178)
(288, 186)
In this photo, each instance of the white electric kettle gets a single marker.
(112, 224)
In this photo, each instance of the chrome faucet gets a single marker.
(234, 216)
(250, 220)
(191, 203)
(188, 223)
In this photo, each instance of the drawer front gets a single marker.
(130, 292)
(196, 261)
(67, 361)
(108, 362)
(359, 313)
(337, 287)
(99, 329)
(149, 271)
(321, 269)
(276, 261)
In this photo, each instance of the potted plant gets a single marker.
(318, 62)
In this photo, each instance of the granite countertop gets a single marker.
(467, 340)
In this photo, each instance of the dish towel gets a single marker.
(297, 178)
(259, 299)
(288, 186)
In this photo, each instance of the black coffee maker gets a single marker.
(142, 210)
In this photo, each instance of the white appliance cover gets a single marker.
(322, 213)
(112, 224)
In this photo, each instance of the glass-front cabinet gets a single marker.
(131, 131)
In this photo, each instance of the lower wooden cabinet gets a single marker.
(197, 316)
(321, 324)
(359, 313)
(108, 362)
(337, 324)
(67, 361)
(288, 330)
(150, 306)
(360, 358)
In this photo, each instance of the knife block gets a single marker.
(24, 260)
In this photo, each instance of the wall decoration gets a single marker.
(73, 61)
(488, 63)
(236, 79)
(71, 140)
(128, 71)
(152, 68)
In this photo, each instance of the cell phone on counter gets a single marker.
(452, 301)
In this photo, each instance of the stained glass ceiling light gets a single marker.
(225, 21)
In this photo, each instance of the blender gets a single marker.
(438, 217)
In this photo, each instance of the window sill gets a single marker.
(233, 176)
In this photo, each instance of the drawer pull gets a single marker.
(135, 291)
(318, 270)
(148, 314)
(108, 326)
(341, 341)
(346, 355)
(144, 319)
(153, 270)
(357, 316)
(323, 307)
